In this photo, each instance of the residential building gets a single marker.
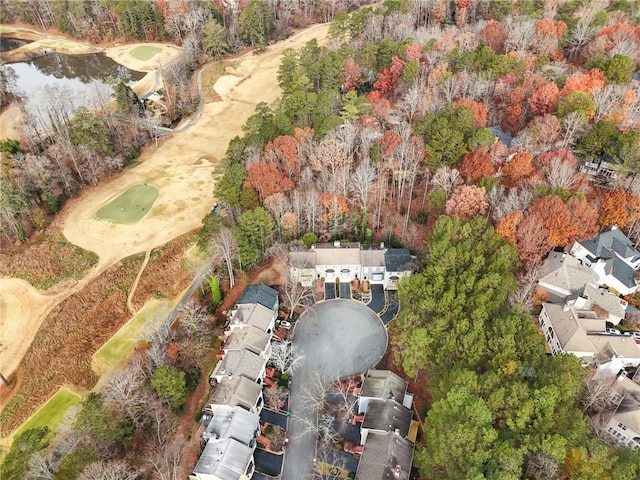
(235, 391)
(564, 276)
(349, 261)
(233, 422)
(251, 338)
(224, 459)
(241, 363)
(385, 456)
(383, 385)
(601, 172)
(623, 427)
(614, 259)
(260, 294)
(252, 315)
(385, 416)
(583, 333)
(605, 303)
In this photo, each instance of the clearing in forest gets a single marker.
(52, 413)
(130, 206)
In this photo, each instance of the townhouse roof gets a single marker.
(609, 346)
(383, 384)
(261, 294)
(253, 314)
(387, 416)
(571, 327)
(250, 338)
(609, 243)
(621, 270)
(233, 422)
(398, 259)
(227, 459)
(235, 391)
(372, 257)
(345, 254)
(564, 275)
(606, 300)
(628, 412)
(385, 456)
(242, 363)
(302, 258)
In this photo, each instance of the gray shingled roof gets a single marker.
(234, 391)
(608, 242)
(385, 456)
(564, 275)
(622, 271)
(398, 259)
(387, 415)
(261, 294)
(383, 384)
(233, 422)
(228, 459)
(251, 338)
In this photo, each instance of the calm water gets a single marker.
(8, 43)
(67, 82)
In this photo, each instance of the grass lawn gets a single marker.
(131, 206)
(118, 348)
(145, 52)
(52, 413)
(4, 29)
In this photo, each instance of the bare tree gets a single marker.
(127, 391)
(597, 395)
(447, 179)
(542, 466)
(527, 283)
(285, 356)
(329, 465)
(559, 173)
(41, 467)
(573, 124)
(275, 396)
(606, 100)
(194, 318)
(110, 470)
(224, 243)
(169, 460)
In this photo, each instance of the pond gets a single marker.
(9, 43)
(66, 81)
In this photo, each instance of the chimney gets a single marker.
(581, 302)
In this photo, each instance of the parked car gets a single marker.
(613, 331)
(635, 335)
(286, 325)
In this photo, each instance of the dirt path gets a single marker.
(181, 167)
(132, 290)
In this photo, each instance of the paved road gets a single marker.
(339, 338)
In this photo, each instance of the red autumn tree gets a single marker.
(554, 216)
(467, 201)
(495, 36)
(507, 227)
(380, 105)
(266, 178)
(476, 164)
(545, 159)
(519, 167)
(412, 52)
(531, 240)
(284, 152)
(619, 208)
(388, 78)
(351, 76)
(584, 219)
(544, 99)
(389, 141)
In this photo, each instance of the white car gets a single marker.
(613, 331)
(286, 325)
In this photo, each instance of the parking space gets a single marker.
(338, 459)
(392, 307)
(345, 290)
(329, 291)
(274, 418)
(377, 302)
(267, 462)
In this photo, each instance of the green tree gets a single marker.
(255, 22)
(578, 102)
(105, 426)
(309, 239)
(620, 69)
(216, 293)
(90, 130)
(15, 464)
(213, 38)
(169, 383)
(10, 146)
(600, 142)
(254, 233)
(459, 437)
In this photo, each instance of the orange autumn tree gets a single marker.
(467, 201)
(519, 167)
(477, 164)
(531, 240)
(584, 219)
(619, 208)
(479, 110)
(283, 151)
(508, 226)
(544, 99)
(554, 216)
(594, 79)
(266, 179)
(494, 35)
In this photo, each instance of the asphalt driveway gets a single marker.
(345, 290)
(338, 338)
(268, 462)
(329, 291)
(377, 302)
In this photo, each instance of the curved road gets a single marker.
(338, 338)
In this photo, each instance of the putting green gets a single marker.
(52, 413)
(131, 206)
(144, 52)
